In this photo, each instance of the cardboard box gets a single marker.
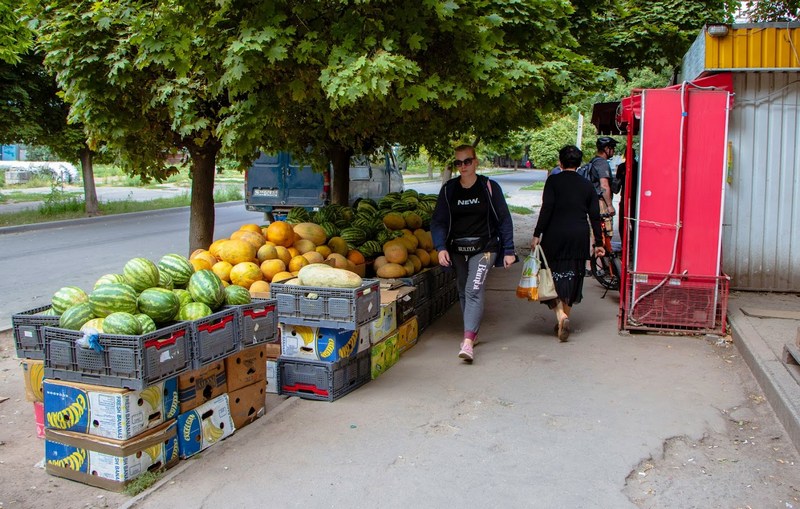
(384, 355)
(405, 300)
(248, 403)
(38, 415)
(318, 343)
(202, 385)
(407, 335)
(107, 463)
(273, 349)
(272, 376)
(259, 295)
(33, 375)
(246, 367)
(386, 322)
(204, 426)
(108, 412)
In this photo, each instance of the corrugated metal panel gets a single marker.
(754, 47)
(761, 231)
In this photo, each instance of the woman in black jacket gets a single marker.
(471, 226)
(567, 200)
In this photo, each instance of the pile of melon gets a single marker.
(144, 296)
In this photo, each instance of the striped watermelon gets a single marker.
(178, 268)
(165, 281)
(74, 317)
(122, 323)
(141, 273)
(95, 324)
(183, 295)
(110, 278)
(194, 311)
(236, 295)
(112, 297)
(48, 312)
(159, 304)
(67, 297)
(146, 324)
(353, 236)
(207, 287)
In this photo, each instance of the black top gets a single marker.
(470, 209)
(567, 200)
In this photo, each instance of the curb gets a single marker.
(770, 373)
(83, 220)
(183, 465)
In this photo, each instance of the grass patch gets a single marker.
(19, 196)
(59, 207)
(536, 186)
(516, 209)
(142, 482)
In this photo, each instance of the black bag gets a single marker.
(469, 245)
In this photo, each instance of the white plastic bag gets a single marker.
(527, 287)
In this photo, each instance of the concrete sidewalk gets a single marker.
(532, 423)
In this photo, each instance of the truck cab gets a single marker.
(276, 183)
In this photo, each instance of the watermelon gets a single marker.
(141, 273)
(183, 295)
(110, 278)
(178, 268)
(95, 324)
(48, 312)
(113, 297)
(122, 323)
(165, 281)
(67, 297)
(147, 325)
(159, 304)
(74, 317)
(207, 287)
(194, 311)
(236, 295)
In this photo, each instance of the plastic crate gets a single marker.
(423, 312)
(323, 381)
(132, 362)
(423, 281)
(214, 337)
(337, 308)
(257, 321)
(28, 337)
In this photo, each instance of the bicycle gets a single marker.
(607, 269)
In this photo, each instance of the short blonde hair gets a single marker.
(463, 148)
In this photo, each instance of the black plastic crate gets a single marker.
(132, 362)
(28, 336)
(422, 281)
(337, 308)
(257, 321)
(323, 381)
(214, 337)
(423, 312)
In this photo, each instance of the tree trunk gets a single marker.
(89, 190)
(201, 220)
(430, 169)
(340, 187)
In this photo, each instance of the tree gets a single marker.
(15, 37)
(773, 10)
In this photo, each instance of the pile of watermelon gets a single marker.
(144, 297)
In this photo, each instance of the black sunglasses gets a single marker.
(466, 162)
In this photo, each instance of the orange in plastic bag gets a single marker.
(527, 287)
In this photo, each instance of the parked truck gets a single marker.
(276, 183)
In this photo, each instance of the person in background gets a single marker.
(472, 230)
(562, 229)
(600, 173)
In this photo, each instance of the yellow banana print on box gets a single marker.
(70, 416)
(154, 451)
(211, 433)
(152, 395)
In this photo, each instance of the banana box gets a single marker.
(272, 376)
(202, 385)
(204, 426)
(248, 403)
(386, 322)
(407, 334)
(384, 355)
(246, 367)
(33, 375)
(319, 343)
(108, 412)
(108, 463)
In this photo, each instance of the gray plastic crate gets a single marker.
(339, 308)
(258, 321)
(132, 362)
(214, 337)
(28, 336)
(320, 380)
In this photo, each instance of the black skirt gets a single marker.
(568, 279)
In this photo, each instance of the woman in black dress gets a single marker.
(567, 200)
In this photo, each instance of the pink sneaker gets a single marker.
(466, 352)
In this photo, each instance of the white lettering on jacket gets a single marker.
(471, 201)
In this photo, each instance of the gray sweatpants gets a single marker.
(471, 274)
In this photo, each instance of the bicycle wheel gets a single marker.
(605, 272)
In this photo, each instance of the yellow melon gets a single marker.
(236, 251)
(338, 245)
(324, 251)
(313, 257)
(205, 255)
(282, 276)
(424, 238)
(379, 262)
(259, 286)
(339, 261)
(214, 247)
(311, 231)
(424, 257)
(416, 262)
(251, 228)
(395, 251)
(391, 270)
(304, 246)
(271, 267)
(200, 264)
(297, 263)
(266, 252)
(409, 266)
(283, 254)
(256, 239)
(434, 257)
(196, 252)
(222, 270)
(413, 221)
(281, 233)
(355, 256)
(245, 274)
(394, 221)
